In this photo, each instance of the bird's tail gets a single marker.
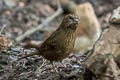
(28, 55)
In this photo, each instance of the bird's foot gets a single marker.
(54, 67)
(63, 64)
(22, 52)
(42, 64)
(79, 58)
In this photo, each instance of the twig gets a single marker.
(47, 20)
(38, 71)
(3, 28)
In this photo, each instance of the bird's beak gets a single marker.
(77, 20)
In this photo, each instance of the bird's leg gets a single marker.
(39, 69)
(53, 64)
(22, 51)
(42, 64)
(61, 62)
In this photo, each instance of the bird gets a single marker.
(60, 43)
(88, 31)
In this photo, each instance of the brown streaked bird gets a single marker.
(60, 43)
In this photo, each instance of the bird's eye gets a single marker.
(71, 17)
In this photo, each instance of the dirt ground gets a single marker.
(21, 15)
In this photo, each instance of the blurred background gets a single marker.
(21, 15)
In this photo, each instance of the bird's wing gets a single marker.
(51, 44)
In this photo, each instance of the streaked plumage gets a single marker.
(61, 43)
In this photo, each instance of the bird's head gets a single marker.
(70, 21)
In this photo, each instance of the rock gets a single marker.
(112, 72)
(115, 18)
(88, 30)
(108, 46)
